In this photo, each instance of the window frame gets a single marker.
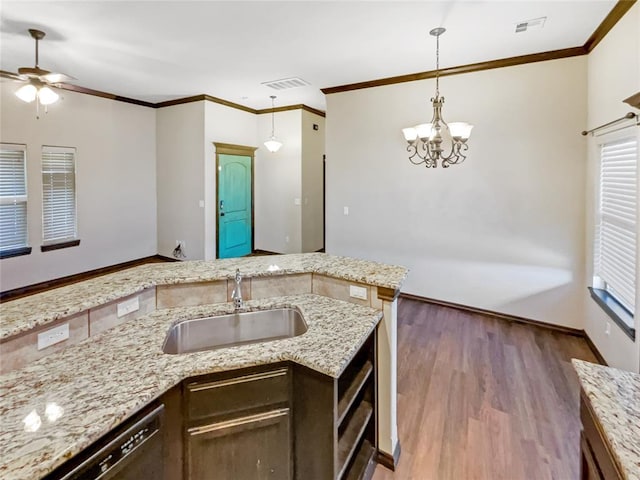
(615, 308)
(70, 241)
(25, 248)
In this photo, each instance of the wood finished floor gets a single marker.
(484, 398)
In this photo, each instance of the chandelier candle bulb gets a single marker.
(410, 134)
(460, 130)
(425, 131)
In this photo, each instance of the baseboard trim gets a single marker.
(258, 252)
(390, 461)
(512, 318)
(594, 349)
(504, 316)
(78, 277)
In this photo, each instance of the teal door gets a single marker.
(235, 206)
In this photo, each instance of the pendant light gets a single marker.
(273, 144)
(425, 141)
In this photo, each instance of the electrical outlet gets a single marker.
(345, 210)
(182, 244)
(297, 201)
(128, 306)
(607, 329)
(358, 292)
(286, 239)
(53, 335)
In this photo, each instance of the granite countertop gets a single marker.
(615, 397)
(77, 395)
(26, 313)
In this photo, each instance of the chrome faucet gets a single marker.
(236, 296)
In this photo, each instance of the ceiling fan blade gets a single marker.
(13, 76)
(57, 78)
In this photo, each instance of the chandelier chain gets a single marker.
(437, 66)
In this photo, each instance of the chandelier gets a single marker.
(273, 144)
(426, 140)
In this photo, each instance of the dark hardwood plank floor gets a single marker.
(484, 398)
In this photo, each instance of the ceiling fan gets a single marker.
(38, 81)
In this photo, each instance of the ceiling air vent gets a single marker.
(285, 83)
(528, 25)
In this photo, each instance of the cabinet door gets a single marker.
(254, 447)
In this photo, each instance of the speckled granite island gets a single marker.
(53, 407)
(610, 412)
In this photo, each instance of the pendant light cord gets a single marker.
(272, 116)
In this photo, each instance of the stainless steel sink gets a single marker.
(233, 329)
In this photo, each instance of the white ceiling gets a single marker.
(158, 51)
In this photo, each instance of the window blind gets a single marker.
(615, 259)
(58, 194)
(13, 197)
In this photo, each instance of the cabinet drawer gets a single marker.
(221, 397)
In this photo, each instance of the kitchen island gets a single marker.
(54, 407)
(610, 412)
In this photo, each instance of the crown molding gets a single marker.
(299, 106)
(178, 101)
(472, 67)
(616, 13)
(207, 98)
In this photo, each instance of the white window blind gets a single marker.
(58, 194)
(615, 252)
(13, 197)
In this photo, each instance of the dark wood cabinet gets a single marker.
(597, 461)
(335, 420)
(238, 425)
(250, 447)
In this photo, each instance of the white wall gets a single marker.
(115, 178)
(224, 125)
(312, 165)
(186, 175)
(613, 75)
(278, 184)
(180, 186)
(503, 231)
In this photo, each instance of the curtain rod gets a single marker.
(628, 116)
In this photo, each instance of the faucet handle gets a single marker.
(238, 276)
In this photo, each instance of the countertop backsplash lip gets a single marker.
(615, 398)
(24, 314)
(119, 371)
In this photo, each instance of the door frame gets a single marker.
(243, 151)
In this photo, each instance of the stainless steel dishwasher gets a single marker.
(134, 451)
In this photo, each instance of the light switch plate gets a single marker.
(358, 292)
(53, 335)
(128, 306)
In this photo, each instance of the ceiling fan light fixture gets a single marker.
(47, 96)
(27, 93)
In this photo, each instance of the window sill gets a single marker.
(15, 252)
(58, 246)
(614, 310)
